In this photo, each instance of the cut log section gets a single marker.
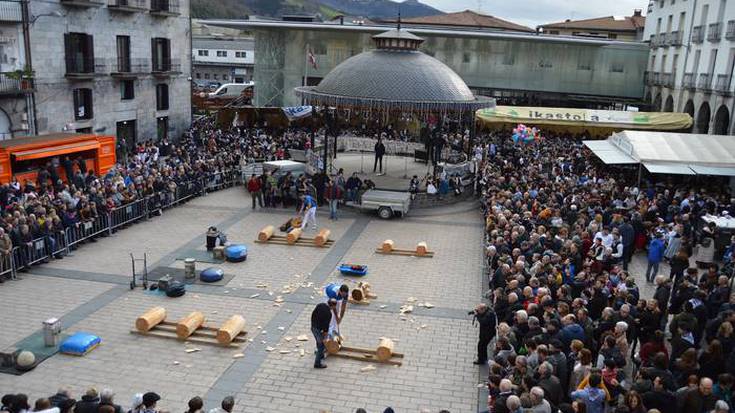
(294, 235)
(385, 349)
(150, 319)
(230, 329)
(362, 354)
(266, 233)
(421, 249)
(333, 344)
(388, 245)
(189, 324)
(322, 238)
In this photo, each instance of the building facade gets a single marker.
(116, 67)
(691, 63)
(16, 82)
(223, 60)
(623, 28)
(513, 67)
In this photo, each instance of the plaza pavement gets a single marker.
(89, 292)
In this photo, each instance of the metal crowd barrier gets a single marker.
(44, 248)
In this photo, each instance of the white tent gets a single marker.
(669, 153)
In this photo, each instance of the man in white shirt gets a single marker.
(605, 236)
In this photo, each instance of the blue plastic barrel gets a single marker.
(236, 253)
(332, 290)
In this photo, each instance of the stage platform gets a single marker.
(398, 170)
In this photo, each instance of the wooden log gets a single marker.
(230, 329)
(322, 237)
(422, 249)
(388, 245)
(266, 233)
(294, 235)
(357, 294)
(385, 349)
(189, 324)
(333, 344)
(150, 319)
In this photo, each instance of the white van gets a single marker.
(230, 90)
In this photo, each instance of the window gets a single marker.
(320, 49)
(215, 76)
(225, 77)
(466, 57)
(612, 36)
(161, 54)
(162, 127)
(206, 76)
(584, 66)
(127, 89)
(203, 52)
(82, 104)
(617, 68)
(241, 55)
(79, 48)
(123, 54)
(162, 96)
(199, 75)
(221, 53)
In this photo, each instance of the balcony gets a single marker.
(83, 3)
(655, 78)
(705, 82)
(129, 68)
(698, 34)
(81, 67)
(723, 85)
(165, 8)
(652, 42)
(675, 38)
(166, 68)
(688, 81)
(730, 34)
(10, 86)
(714, 34)
(667, 80)
(127, 6)
(10, 11)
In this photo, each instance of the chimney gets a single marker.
(637, 13)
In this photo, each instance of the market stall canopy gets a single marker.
(669, 153)
(586, 118)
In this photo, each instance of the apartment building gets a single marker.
(117, 67)
(223, 60)
(16, 77)
(691, 63)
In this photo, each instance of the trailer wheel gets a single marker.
(385, 212)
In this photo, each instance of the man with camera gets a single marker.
(487, 321)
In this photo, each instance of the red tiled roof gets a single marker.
(468, 18)
(627, 23)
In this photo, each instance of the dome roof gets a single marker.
(395, 75)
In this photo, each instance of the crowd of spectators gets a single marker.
(94, 401)
(573, 330)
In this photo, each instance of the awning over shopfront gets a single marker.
(585, 118)
(669, 153)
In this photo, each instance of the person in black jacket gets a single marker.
(320, 318)
(379, 152)
(487, 321)
(90, 402)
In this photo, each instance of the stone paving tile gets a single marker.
(449, 279)
(130, 363)
(437, 372)
(32, 299)
(157, 237)
(236, 197)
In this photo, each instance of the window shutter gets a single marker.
(68, 53)
(167, 54)
(154, 55)
(88, 103)
(89, 53)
